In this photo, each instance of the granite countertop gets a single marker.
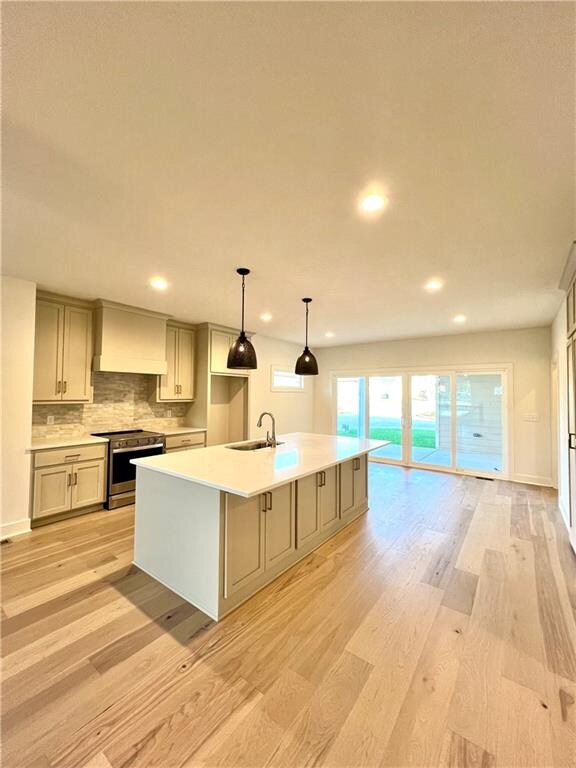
(41, 444)
(248, 473)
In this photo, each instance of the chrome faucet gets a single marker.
(271, 441)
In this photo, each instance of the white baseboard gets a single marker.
(7, 530)
(564, 513)
(532, 480)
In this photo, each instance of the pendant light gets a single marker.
(306, 364)
(242, 354)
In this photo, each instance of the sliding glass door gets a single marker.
(431, 420)
(386, 415)
(351, 406)
(479, 422)
(451, 420)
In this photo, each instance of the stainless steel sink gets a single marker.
(255, 445)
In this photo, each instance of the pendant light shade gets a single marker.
(242, 354)
(306, 365)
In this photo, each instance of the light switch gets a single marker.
(49, 419)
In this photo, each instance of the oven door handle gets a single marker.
(135, 448)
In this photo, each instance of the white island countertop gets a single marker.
(248, 473)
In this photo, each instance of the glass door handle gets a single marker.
(572, 441)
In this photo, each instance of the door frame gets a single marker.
(506, 370)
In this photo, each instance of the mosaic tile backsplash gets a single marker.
(120, 400)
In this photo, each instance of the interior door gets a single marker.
(48, 351)
(77, 354)
(186, 340)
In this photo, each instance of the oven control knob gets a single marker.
(121, 443)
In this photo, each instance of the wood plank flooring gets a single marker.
(437, 630)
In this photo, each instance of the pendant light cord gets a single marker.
(306, 325)
(243, 289)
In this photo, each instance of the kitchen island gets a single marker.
(216, 525)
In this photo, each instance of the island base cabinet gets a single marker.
(353, 487)
(259, 536)
(244, 541)
(280, 522)
(328, 499)
(216, 549)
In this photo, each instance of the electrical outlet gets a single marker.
(169, 413)
(49, 419)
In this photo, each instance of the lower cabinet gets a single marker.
(66, 479)
(259, 534)
(267, 533)
(353, 485)
(244, 541)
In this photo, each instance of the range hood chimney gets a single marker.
(129, 339)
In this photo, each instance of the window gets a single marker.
(284, 380)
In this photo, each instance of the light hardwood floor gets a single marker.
(437, 630)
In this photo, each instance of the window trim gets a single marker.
(284, 369)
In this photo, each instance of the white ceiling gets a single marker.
(186, 139)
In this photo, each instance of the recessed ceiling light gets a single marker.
(373, 203)
(329, 334)
(459, 319)
(434, 284)
(266, 317)
(159, 283)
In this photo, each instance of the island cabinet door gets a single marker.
(347, 472)
(329, 498)
(280, 525)
(307, 506)
(360, 480)
(244, 541)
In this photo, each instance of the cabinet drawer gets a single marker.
(186, 440)
(69, 455)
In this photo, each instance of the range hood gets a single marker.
(129, 339)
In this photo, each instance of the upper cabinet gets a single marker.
(220, 343)
(62, 353)
(178, 382)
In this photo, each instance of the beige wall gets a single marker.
(293, 410)
(560, 410)
(18, 312)
(528, 351)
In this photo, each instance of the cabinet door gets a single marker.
(77, 354)
(346, 487)
(280, 525)
(329, 498)
(52, 491)
(48, 351)
(308, 517)
(244, 541)
(220, 344)
(87, 484)
(185, 382)
(360, 480)
(168, 381)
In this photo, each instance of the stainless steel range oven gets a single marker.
(123, 446)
